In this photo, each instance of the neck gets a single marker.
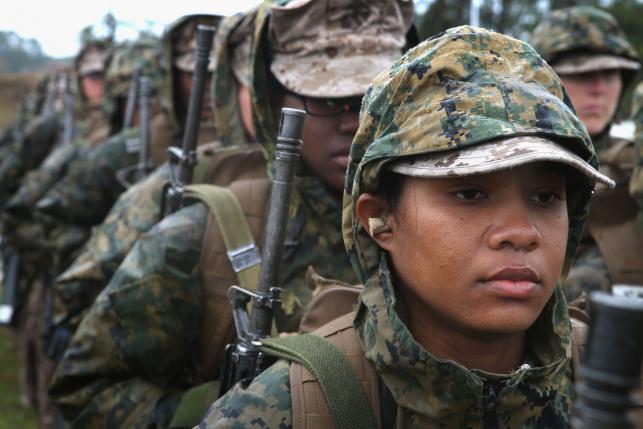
(495, 353)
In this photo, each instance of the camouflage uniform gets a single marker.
(90, 186)
(26, 233)
(445, 98)
(160, 274)
(137, 210)
(579, 40)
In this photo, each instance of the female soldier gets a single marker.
(465, 194)
(596, 63)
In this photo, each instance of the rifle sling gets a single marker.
(236, 234)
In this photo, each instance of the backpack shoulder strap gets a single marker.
(242, 250)
(332, 384)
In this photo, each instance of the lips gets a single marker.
(513, 282)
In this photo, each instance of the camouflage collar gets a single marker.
(447, 392)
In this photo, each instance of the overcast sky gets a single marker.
(56, 24)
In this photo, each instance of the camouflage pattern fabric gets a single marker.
(134, 213)
(90, 187)
(465, 86)
(141, 56)
(232, 33)
(580, 28)
(159, 277)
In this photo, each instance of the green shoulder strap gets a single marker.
(345, 396)
(234, 228)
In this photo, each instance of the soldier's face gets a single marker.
(595, 97)
(327, 141)
(475, 257)
(92, 85)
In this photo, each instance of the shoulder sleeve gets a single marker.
(265, 403)
(135, 212)
(133, 347)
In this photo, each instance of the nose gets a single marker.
(514, 228)
(349, 123)
(598, 82)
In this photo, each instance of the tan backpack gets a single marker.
(612, 221)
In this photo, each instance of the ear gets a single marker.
(374, 215)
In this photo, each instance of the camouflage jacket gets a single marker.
(90, 187)
(159, 278)
(442, 393)
(134, 213)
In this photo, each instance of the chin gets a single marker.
(506, 324)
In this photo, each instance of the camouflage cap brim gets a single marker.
(92, 62)
(187, 62)
(495, 156)
(327, 76)
(589, 62)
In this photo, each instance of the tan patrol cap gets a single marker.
(334, 48)
(184, 44)
(91, 61)
(495, 156)
(588, 62)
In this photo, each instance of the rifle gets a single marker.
(132, 97)
(611, 368)
(10, 285)
(183, 160)
(244, 361)
(68, 119)
(144, 163)
(52, 94)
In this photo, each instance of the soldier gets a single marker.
(596, 63)
(137, 210)
(466, 191)
(168, 297)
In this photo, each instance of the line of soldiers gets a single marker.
(117, 263)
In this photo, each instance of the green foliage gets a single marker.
(18, 54)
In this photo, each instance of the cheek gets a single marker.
(433, 250)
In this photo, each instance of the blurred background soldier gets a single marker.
(636, 183)
(596, 63)
(138, 209)
(74, 101)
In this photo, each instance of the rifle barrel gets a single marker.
(286, 157)
(144, 110)
(204, 38)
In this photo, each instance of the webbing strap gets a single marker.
(345, 396)
(234, 228)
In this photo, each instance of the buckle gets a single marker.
(244, 257)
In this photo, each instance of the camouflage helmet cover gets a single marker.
(141, 56)
(322, 47)
(184, 42)
(582, 39)
(465, 87)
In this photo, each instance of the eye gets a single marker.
(470, 194)
(546, 197)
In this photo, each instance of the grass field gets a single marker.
(12, 414)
